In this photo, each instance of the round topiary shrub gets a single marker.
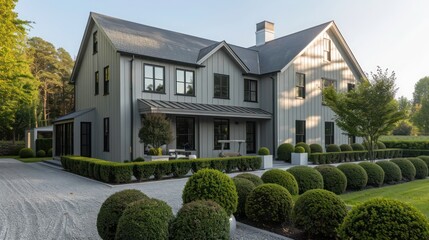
(407, 168)
(357, 147)
(214, 185)
(112, 209)
(318, 213)
(356, 175)
(307, 178)
(316, 148)
(281, 178)
(270, 203)
(375, 174)
(299, 150)
(251, 177)
(392, 173)
(425, 159)
(201, 219)
(380, 145)
(384, 219)
(284, 151)
(264, 151)
(333, 179)
(145, 219)
(244, 187)
(41, 153)
(421, 168)
(26, 153)
(49, 153)
(305, 146)
(333, 148)
(346, 148)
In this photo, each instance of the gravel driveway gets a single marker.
(38, 201)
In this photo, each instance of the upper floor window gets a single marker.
(94, 43)
(97, 83)
(329, 133)
(328, 83)
(106, 80)
(300, 85)
(350, 87)
(221, 86)
(299, 131)
(250, 90)
(327, 49)
(154, 78)
(185, 82)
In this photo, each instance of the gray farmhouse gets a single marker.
(267, 94)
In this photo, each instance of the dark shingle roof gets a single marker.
(73, 115)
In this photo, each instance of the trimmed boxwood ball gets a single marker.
(145, 219)
(49, 153)
(356, 175)
(380, 145)
(319, 212)
(407, 168)
(307, 178)
(392, 172)
(305, 146)
(425, 159)
(244, 187)
(284, 151)
(264, 151)
(112, 209)
(421, 167)
(26, 153)
(251, 177)
(333, 148)
(282, 178)
(346, 148)
(299, 149)
(316, 148)
(357, 147)
(201, 219)
(270, 203)
(384, 219)
(333, 179)
(214, 185)
(375, 174)
(41, 153)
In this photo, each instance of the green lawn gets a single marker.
(415, 193)
(28, 160)
(404, 138)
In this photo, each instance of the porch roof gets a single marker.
(200, 109)
(72, 115)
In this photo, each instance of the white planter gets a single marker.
(149, 158)
(232, 226)
(267, 161)
(299, 158)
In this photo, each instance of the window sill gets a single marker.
(250, 101)
(300, 98)
(184, 95)
(222, 98)
(106, 94)
(153, 92)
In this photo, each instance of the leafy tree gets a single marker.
(156, 130)
(421, 90)
(421, 116)
(65, 93)
(370, 110)
(405, 105)
(403, 128)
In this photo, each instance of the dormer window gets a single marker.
(94, 43)
(327, 49)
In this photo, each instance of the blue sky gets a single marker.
(388, 33)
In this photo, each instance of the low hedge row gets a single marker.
(352, 156)
(112, 172)
(414, 152)
(407, 144)
(43, 144)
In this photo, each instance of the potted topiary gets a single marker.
(267, 158)
(299, 157)
(156, 131)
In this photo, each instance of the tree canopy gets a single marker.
(156, 130)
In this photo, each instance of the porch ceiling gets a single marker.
(199, 109)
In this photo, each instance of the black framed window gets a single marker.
(154, 79)
(250, 137)
(221, 132)
(352, 139)
(106, 80)
(299, 131)
(329, 133)
(300, 85)
(94, 43)
(327, 49)
(96, 83)
(185, 82)
(106, 135)
(185, 133)
(221, 86)
(350, 87)
(250, 90)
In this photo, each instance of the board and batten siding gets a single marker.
(290, 108)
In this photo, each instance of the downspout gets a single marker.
(132, 109)
(274, 117)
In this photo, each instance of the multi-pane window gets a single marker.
(106, 135)
(106, 80)
(96, 83)
(300, 85)
(327, 49)
(185, 133)
(250, 90)
(299, 131)
(185, 82)
(221, 132)
(329, 133)
(154, 78)
(221, 86)
(250, 137)
(94, 43)
(350, 87)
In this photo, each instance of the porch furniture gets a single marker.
(179, 153)
(230, 154)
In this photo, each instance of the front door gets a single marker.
(85, 139)
(250, 137)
